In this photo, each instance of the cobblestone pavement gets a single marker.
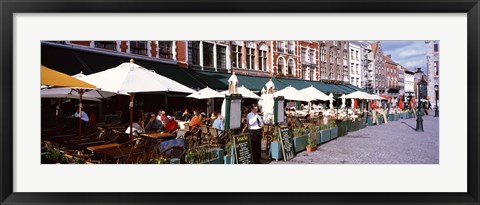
(396, 142)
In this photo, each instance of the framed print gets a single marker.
(133, 95)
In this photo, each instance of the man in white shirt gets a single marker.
(84, 115)
(255, 125)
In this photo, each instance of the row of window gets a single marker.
(164, 49)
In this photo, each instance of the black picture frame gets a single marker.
(10, 7)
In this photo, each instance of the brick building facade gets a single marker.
(380, 83)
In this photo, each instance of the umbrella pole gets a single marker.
(131, 116)
(80, 92)
(57, 110)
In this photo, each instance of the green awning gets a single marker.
(298, 84)
(219, 81)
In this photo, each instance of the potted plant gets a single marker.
(312, 138)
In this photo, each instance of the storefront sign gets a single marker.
(286, 139)
(243, 149)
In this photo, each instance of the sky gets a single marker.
(409, 54)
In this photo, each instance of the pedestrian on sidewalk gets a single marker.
(255, 124)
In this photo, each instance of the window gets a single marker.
(332, 55)
(263, 60)
(138, 47)
(221, 57)
(236, 56)
(281, 65)
(351, 53)
(250, 58)
(357, 69)
(323, 54)
(207, 54)
(435, 67)
(165, 49)
(194, 52)
(110, 45)
(323, 72)
(303, 55)
(356, 55)
(312, 56)
(352, 67)
(435, 47)
(290, 67)
(291, 47)
(280, 46)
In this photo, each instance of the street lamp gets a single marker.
(436, 101)
(419, 127)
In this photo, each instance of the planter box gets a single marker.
(300, 143)
(319, 137)
(390, 117)
(364, 123)
(342, 129)
(276, 151)
(325, 135)
(175, 161)
(334, 133)
(218, 160)
(380, 121)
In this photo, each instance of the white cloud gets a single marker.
(414, 63)
(410, 52)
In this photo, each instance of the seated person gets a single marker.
(137, 125)
(218, 123)
(170, 124)
(137, 129)
(185, 116)
(196, 120)
(154, 125)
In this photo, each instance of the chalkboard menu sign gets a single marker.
(243, 149)
(286, 139)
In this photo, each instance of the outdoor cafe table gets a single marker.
(157, 135)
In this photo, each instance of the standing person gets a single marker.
(255, 125)
(83, 115)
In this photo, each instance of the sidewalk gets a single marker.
(392, 143)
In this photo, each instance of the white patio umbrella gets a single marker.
(206, 93)
(315, 93)
(66, 93)
(130, 78)
(358, 95)
(245, 92)
(290, 93)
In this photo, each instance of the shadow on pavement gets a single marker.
(409, 125)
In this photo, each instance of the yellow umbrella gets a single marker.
(54, 78)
